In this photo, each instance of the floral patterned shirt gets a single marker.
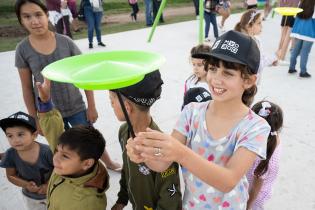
(251, 133)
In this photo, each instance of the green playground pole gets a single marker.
(201, 14)
(156, 20)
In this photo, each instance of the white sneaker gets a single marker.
(222, 28)
(207, 39)
(283, 63)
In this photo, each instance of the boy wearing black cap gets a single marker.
(28, 163)
(145, 189)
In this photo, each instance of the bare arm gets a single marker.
(28, 94)
(254, 191)
(27, 90)
(14, 179)
(92, 114)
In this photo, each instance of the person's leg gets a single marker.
(294, 54)
(66, 22)
(285, 45)
(213, 20)
(110, 164)
(33, 204)
(196, 4)
(59, 26)
(98, 21)
(305, 51)
(225, 16)
(89, 18)
(148, 12)
(207, 23)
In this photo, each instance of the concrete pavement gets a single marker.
(294, 187)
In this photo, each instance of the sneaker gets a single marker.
(292, 71)
(101, 44)
(90, 46)
(283, 63)
(305, 75)
(207, 39)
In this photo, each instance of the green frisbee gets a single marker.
(104, 70)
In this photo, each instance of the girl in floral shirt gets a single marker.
(217, 141)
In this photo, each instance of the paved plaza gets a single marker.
(293, 189)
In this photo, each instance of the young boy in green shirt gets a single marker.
(145, 189)
(79, 179)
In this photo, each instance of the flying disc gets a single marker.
(104, 70)
(288, 11)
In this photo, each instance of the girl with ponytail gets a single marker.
(264, 172)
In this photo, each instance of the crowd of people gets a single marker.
(227, 148)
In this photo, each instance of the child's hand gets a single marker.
(44, 90)
(32, 187)
(118, 206)
(132, 153)
(42, 189)
(91, 114)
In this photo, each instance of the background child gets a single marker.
(304, 33)
(210, 17)
(198, 78)
(263, 173)
(40, 48)
(145, 189)
(28, 163)
(215, 142)
(79, 180)
(251, 24)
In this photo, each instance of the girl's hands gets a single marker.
(44, 90)
(155, 146)
(91, 114)
(42, 189)
(132, 152)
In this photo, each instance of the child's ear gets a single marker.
(88, 163)
(34, 135)
(128, 106)
(249, 82)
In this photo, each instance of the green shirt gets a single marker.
(154, 191)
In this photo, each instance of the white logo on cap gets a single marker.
(205, 94)
(230, 46)
(22, 117)
(216, 44)
(198, 98)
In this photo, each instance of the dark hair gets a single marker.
(20, 3)
(275, 120)
(246, 20)
(12, 124)
(201, 48)
(87, 141)
(248, 95)
(308, 9)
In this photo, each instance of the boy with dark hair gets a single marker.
(145, 189)
(79, 180)
(28, 163)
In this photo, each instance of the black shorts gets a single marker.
(254, 6)
(287, 21)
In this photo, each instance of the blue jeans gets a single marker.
(211, 17)
(76, 119)
(148, 12)
(93, 21)
(302, 48)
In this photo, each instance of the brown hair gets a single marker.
(246, 21)
(248, 95)
(275, 121)
(308, 9)
(201, 48)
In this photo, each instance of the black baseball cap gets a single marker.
(196, 94)
(18, 119)
(145, 92)
(235, 47)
